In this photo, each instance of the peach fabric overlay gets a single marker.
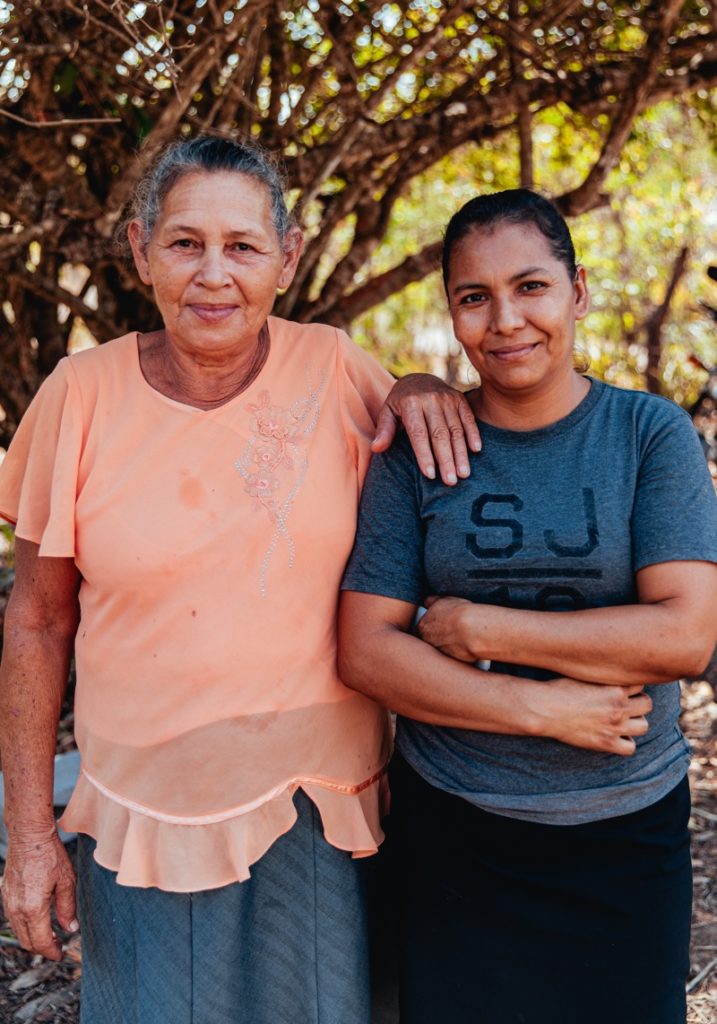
(211, 546)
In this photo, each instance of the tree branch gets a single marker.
(524, 117)
(378, 288)
(587, 195)
(46, 288)
(206, 57)
(655, 323)
(62, 123)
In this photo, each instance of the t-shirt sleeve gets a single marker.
(38, 477)
(387, 558)
(363, 385)
(674, 516)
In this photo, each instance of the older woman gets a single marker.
(543, 880)
(185, 503)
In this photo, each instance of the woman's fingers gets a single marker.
(19, 929)
(439, 422)
(36, 874)
(42, 938)
(633, 721)
(65, 904)
(33, 929)
(386, 425)
(469, 425)
(622, 745)
(639, 704)
(446, 417)
(636, 726)
(597, 717)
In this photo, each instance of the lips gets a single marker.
(212, 314)
(513, 353)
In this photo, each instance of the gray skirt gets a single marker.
(287, 946)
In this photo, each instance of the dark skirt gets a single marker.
(510, 922)
(287, 946)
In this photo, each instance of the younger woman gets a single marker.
(543, 880)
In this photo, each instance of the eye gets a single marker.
(242, 247)
(184, 243)
(473, 299)
(532, 286)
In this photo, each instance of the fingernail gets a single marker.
(451, 478)
(464, 470)
(74, 926)
(431, 472)
(477, 446)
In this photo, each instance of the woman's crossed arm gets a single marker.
(380, 657)
(670, 633)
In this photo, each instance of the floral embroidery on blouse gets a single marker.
(274, 462)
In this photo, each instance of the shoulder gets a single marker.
(641, 416)
(316, 336)
(118, 351)
(397, 462)
(655, 435)
(641, 404)
(83, 378)
(329, 341)
(92, 367)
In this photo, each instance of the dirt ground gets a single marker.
(700, 722)
(33, 990)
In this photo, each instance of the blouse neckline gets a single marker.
(552, 430)
(194, 409)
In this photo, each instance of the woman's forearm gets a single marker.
(378, 657)
(40, 623)
(631, 644)
(670, 633)
(32, 684)
(410, 677)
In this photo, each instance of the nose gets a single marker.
(506, 315)
(213, 271)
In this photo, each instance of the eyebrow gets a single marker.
(516, 277)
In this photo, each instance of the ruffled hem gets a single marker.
(147, 851)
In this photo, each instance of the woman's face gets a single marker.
(215, 260)
(514, 308)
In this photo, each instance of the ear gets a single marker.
(292, 250)
(582, 294)
(135, 237)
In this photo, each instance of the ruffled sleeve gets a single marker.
(39, 475)
(363, 387)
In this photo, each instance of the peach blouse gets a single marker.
(211, 546)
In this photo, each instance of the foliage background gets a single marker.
(662, 196)
(387, 116)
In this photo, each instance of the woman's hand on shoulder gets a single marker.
(438, 420)
(592, 715)
(38, 872)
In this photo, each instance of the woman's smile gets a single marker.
(513, 353)
(212, 313)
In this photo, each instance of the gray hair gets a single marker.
(208, 154)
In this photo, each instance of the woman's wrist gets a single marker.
(477, 632)
(32, 836)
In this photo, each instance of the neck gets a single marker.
(515, 410)
(205, 380)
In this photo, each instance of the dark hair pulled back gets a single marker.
(513, 206)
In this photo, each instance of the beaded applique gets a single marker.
(274, 462)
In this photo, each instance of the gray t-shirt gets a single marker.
(559, 518)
